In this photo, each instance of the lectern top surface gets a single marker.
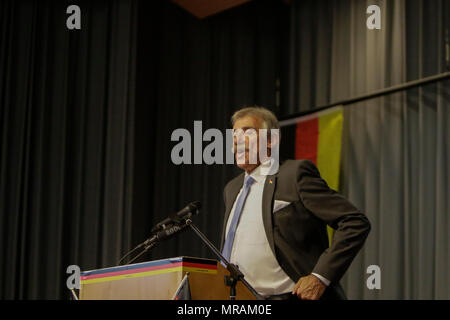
(188, 264)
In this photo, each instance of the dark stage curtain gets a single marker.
(395, 160)
(86, 119)
(67, 131)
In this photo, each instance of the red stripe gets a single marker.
(307, 139)
(200, 265)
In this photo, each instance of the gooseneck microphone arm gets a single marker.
(187, 212)
(154, 240)
(165, 229)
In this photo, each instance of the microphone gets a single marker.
(164, 234)
(187, 212)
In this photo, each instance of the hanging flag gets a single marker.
(318, 138)
(184, 291)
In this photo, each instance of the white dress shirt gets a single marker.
(251, 251)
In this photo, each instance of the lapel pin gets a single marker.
(270, 181)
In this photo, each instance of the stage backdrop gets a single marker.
(86, 118)
(395, 161)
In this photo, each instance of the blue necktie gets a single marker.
(226, 252)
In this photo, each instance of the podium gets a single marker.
(160, 280)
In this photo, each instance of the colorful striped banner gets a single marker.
(145, 269)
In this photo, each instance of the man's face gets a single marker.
(246, 146)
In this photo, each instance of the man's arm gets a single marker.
(351, 225)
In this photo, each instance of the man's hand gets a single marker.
(309, 288)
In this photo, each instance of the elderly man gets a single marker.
(275, 219)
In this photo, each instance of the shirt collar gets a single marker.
(257, 174)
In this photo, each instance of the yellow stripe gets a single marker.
(329, 148)
(329, 151)
(149, 273)
(201, 270)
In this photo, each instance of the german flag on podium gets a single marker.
(184, 291)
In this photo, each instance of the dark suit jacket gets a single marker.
(297, 233)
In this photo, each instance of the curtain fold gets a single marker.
(395, 160)
(67, 103)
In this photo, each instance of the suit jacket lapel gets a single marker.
(267, 205)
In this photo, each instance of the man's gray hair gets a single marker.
(269, 119)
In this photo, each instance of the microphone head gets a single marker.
(195, 207)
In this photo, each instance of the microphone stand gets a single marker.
(235, 274)
(146, 248)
